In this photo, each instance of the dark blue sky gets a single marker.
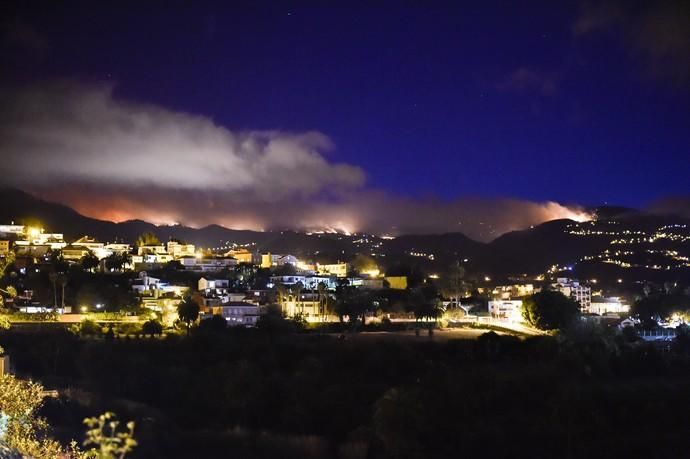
(536, 100)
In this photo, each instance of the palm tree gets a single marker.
(53, 278)
(62, 280)
(323, 300)
(297, 288)
(188, 311)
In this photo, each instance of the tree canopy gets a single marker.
(550, 310)
(147, 238)
(660, 306)
(152, 327)
(188, 311)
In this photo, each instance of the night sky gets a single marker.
(581, 103)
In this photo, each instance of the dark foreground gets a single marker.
(251, 394)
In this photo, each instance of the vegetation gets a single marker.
(152, 327)
(89, 262)
(253, 393)
(147, 239)
(106, 438)
(25, 431)
(214, 324)
(550, 310)
(660, 306)
(188, 312)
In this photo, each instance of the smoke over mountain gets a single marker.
(120, 160)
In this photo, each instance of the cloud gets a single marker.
(528, 80)
(119, 160)
(84, 134)
(656, 32)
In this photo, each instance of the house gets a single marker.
(206, 303)
(335, 269)
(242, 255)
(178, 250)
(507, 292)
(506, 309)
(204, 264)
(573, 289)
(12, 230)
(366, 283)
(310, 305)
(287, 260)
(308, 282)
(238, 313)
(151, 249)
(268, 260)
(612, 305)
(146, 285)
(207, 284)
(118, 247)
(37, 237)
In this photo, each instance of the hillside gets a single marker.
(626, 243)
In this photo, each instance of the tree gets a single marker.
(659, 306)
(29, 434)
(89, 262)
(354, 303)
(215, 324)
(273, 320)
(53, 276)
(550, 310)
(116, 261)
(323, 299)
(89, 327)
(423, 306)
(152, 327)
(5, 262)
(107, 439)
(452, 285)
(188, 312)
(147, 238)
(25, 431)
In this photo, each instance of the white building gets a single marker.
(238, 313)
(146, 285)
(334, 269)
(287, 260)
(611, 305)
(178, 250)
(308, 282)
(506, 292)
(208, 284)
(207, 264)
(506, 309)
(573, 289)
(7, 230)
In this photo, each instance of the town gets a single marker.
(344, 230)
(47, 278)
